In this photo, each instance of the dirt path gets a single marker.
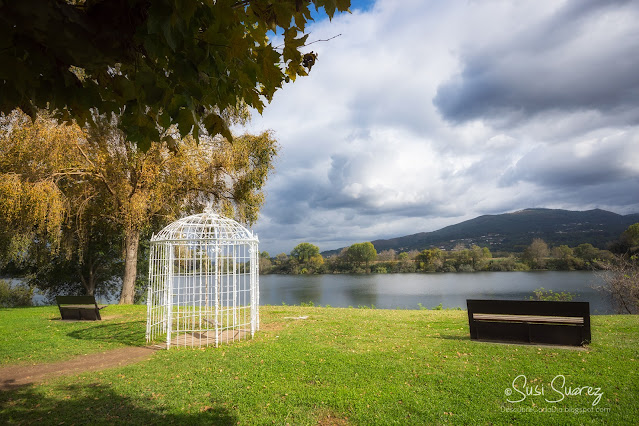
(15, 376)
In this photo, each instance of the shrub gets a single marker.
(380, 270)
(543, 294)
(622, 283)
(465, 268)
(10, 297)
(568, 263)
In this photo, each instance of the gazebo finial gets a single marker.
(209, 208)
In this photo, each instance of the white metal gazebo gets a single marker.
(203, 282)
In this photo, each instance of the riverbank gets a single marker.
(337, 366)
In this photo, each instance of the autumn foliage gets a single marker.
(82, 198)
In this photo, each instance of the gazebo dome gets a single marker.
(203, 282)
(204, 226)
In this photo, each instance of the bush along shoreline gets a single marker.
(362, 258)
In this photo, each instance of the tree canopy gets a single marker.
(155, 64)
(304, 252)
(361, 253)
(536, 253)
(71, 199)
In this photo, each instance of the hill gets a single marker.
(512, 232)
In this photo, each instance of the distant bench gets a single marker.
(79, 307)
(529, 321)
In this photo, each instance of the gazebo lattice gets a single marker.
(203, 282)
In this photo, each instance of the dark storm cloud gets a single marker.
(574, 60)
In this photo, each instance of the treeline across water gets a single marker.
(362, 258)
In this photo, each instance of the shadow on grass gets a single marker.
(130, 333)
(97, 404)
(453, 337)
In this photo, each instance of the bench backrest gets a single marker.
(555, 333)
(529, 307)
(78, 308)
(75, 300)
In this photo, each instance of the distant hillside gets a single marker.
(514, 231)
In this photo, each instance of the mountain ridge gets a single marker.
(513, 231)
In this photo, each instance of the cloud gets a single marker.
(582, 163)
(580, 57)
(423, 114)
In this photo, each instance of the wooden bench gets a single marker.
(529, 321)
(79, 308)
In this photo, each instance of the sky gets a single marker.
(423, 114)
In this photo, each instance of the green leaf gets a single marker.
(187, 10)
(178, 102)
(215, 124)
(185, 121)
(168, 34)
(164, 120)
(123, 87)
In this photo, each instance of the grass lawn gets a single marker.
(339, 366)
(37, 335)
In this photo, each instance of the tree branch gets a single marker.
(313, 42)
(317, 41)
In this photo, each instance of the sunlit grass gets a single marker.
(36, 335)
(349, 366)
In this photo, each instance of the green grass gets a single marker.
(356, 366)
(37, 335)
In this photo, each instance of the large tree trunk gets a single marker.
(88, 281)
(131, 243)
(88, 284)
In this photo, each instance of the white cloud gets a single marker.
(423, 114)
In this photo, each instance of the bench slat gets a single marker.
(78, 306)
(528, 318)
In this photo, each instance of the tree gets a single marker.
(303, 252)
(628, 242)
(45, 218)
(387, 255)
(562, 252)
(430, 259)
(406, 263)
(479, 255)
(564, 259)
(359, 253)
(100, 187)
(153, 63)
(142, 185)
(536, 253)
(281, 258)
(316, 263)
(586, 252)
(265, 263)
(622, 283)
(631, 236)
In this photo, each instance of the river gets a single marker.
(407, 291)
